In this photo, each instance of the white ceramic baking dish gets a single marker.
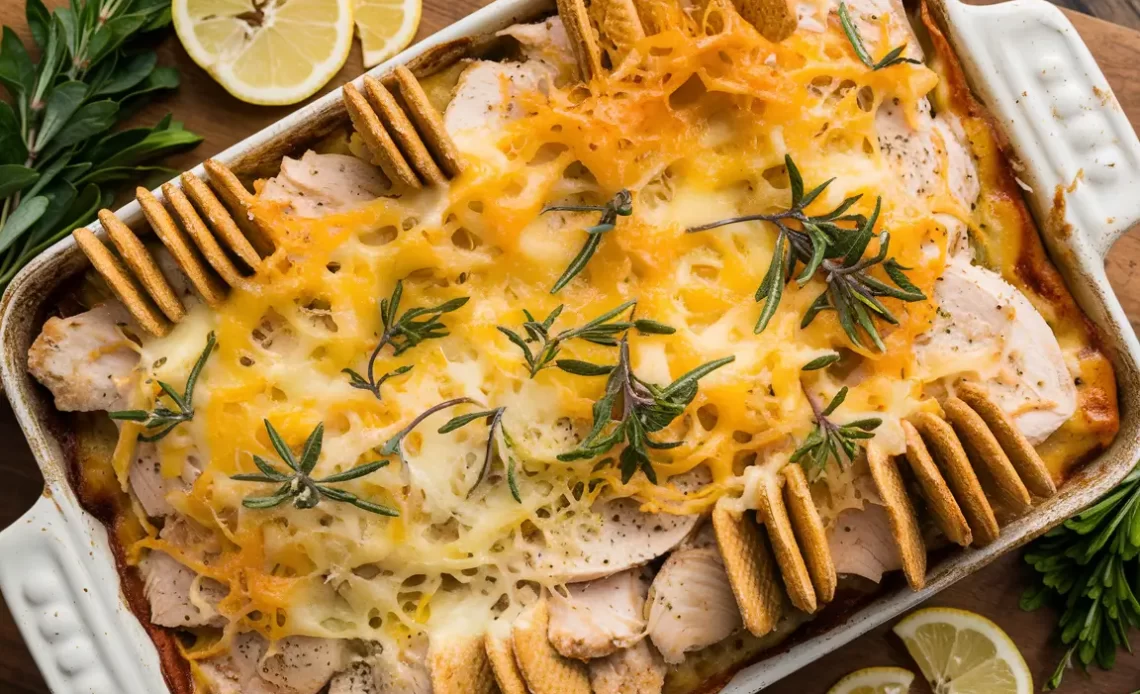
(1024, 60)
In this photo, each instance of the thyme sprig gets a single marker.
(893, 57)
(632, 409)
(831, 441)
(821, 244)
(162, 420)
(402, 332)
(1089, 568)
(298, 485)
(603, 330)
(494, 420)
(621, 205)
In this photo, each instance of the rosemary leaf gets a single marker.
(163, 420)
(621, 205)
(893, 57)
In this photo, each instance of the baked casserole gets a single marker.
(599, 360)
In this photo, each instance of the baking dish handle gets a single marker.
(1038, 78)
(63, 592)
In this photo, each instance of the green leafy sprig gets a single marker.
(621, 205)
(402, 332)
(893, 57)
(1089, 567)
(831, 441)
(162, 420)
(632, 409)
(60, 162)
(297, 484)
(603, 330)
(821, 244)
(393, 445)
(494, 420)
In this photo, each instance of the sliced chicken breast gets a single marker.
(85, 360)
(319, 184)
(149, 485)
(294, 665)
(357, 679)
(639, 669)
(599, 618)
(862, 543)
(545, 42)
(486, 96)
(986, 329)
(691, 604)
(178, 596)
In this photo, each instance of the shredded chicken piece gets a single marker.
(599, 618)
(293, 665)
(691, 604)
(863, 544)
(178, 596)
(319, 184)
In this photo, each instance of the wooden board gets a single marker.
(208, 110)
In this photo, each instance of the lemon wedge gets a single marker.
(386, 27)
(875, 680)
(266, 51)
(960, 652)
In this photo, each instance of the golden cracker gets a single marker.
(810, 533)
(403, 132)
(542, 668)
(143, 265)
(900, 511)
(175, 241)
(576, 19)
(428, 122)
(203, 239)
(502, 659)
(240, 203)
(751, 569)
(120, 282)
(1021, 453)
(220, 220)
(797, 580)
(459, 665)
(947, 451)
(618, 24)
(939, 500)
(774, 19)
(983, 450)
(385, 153)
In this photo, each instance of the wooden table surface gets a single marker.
(208, 110)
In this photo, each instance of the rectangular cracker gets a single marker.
(428, 122)
(393, 118)
(208, 287)
(385, 153)
(751, 569)
(143, 265)
(120, 282)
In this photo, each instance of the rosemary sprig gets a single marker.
(620, 205)
(821, 244)
(402, 332)
(641, 409)
(298, 485)
(603, 330)
(1089, 567)
(494, 423)
(830, 441)
(392, 445)
(893, 57)
(162, 420)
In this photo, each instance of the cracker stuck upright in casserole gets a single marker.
(600, 360)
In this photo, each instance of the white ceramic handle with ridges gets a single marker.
(64, 596)
(1042, 84)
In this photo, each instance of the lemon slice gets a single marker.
(875, 680)
(386, 27)
(960, 652)
(266, 51)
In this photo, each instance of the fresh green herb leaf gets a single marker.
(162, 420)
(495, 421)
(621, 205)
(820, 362)
(402, 332)
(831, 441)
(1088, 568)
(893, 57)
(832, 243)
(392, 445)
(298, 484)
(631, 410)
